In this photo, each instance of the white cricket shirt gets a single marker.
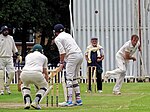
(35, 62)
(128, 47)
(7, 46)
(66, 44)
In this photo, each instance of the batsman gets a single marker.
(71, 54)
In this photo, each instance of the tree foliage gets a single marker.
(38, 14)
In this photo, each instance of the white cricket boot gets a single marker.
(2, 92)
(107, 75)
(116, 92)
(63, 104)
(27, 105)
(35, 105)
(7, 89)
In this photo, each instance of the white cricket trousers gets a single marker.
(120, 71)
(73, 65)
(8, 64)
(33, 77)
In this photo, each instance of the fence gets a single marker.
(130, 77)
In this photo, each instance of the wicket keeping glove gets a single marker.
(19, 58)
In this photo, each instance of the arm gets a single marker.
(100, 58)
(101, 55)
(86, 57)
(128, 57)
(14, 49)
(45, 73)
(45, 69)
(62, 52)
(62, 56)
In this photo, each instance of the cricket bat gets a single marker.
(57, 69)
(64, 87)
(46, 93)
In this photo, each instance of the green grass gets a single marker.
(135, 98)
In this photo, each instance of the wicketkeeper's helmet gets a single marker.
(37, 47)
(58, 28)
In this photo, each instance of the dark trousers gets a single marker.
(98, 76)
(99, 81)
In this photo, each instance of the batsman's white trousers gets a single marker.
(120, 71)
(73, 64)
(33, 77)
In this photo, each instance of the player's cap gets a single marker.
(58, 28)
(94, 38)
(37, 47)
(4, 28)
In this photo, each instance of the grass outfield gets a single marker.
(135, 98)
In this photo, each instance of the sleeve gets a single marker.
(102, 52)
(14, 46)
(60, 46)
(127, 47)
(87, 50)
(46, 63)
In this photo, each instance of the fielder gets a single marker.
(34, 72)
(7, 50)
(123, 56)
(71, 54)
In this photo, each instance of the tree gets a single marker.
(40, 14)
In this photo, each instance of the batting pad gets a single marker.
(1, 79)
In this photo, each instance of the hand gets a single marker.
(47, 78)
(61, 66)
(98, 60)
(133, 58)
(19, 59)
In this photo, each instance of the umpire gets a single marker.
(94, 56)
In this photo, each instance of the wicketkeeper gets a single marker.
(34, 72)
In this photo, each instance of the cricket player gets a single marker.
(34, 72)
(123, 56)
(7, 50)
(71, 54)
